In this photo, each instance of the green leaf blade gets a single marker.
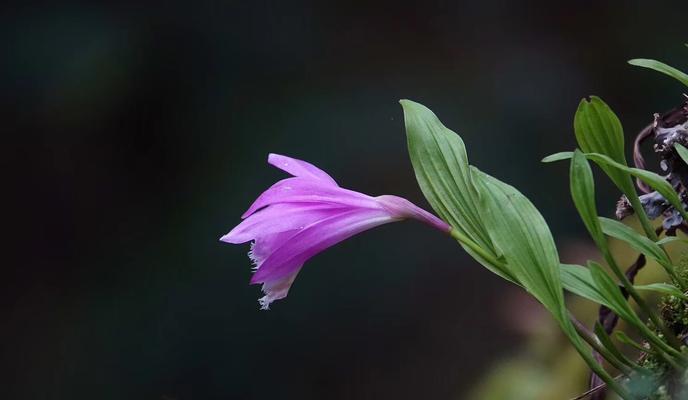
(663, 288)
(682, 152)
(440, 162)
(578, 280)
(583, 193)
(612, 294)
(521, 233)
(634, 239)
(598, 130)
(662, 68)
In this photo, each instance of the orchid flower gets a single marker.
(298, 217)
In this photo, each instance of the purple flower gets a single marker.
(301, 216)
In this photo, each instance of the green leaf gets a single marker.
(653, 180)
(663, 288)
(583, 194)
(623, 338)
(609, 345)
(611, 293)
(506, 221)
(563, 155)
(441, 166)
(671, 239)
(661, 67)
(598, 130)
(521, 233)
(637, 241)
(578, 280)
(682, 152)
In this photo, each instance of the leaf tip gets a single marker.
(564, 155)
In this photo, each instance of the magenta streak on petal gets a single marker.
(309, 190)
(280, 217)
(299, 168)
(316, 238)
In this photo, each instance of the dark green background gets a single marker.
(137, 134)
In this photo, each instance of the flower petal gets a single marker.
(299, 168)
(306, 190)
(402, 208)
(280, 217)
(277, 289)
(265, 245)
(315, 238)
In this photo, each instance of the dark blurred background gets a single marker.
(137, 134)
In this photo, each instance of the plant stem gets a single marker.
(653, 235)
(656, 321)
(592, 340)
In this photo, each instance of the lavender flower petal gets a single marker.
(298, 217)
(299, 168)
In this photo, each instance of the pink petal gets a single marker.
(277, 289)
(315, 238)
(280, 217)
(265, 245)
(402, 208)
(298, 189)
(299, 168)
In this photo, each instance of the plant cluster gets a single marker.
(498, 226)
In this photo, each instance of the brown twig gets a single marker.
(638, 158)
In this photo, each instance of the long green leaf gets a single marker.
(609, 345)
(611, 293)
(661, 67)
(653, 180)
(518, 229)
(634, 239)
(441, 166)
(663, 288)
(506, 228)
(671, 239)
(622, 337)
(578, 280)
(583, 194)
(562, 155)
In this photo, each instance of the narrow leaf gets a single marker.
(682, 152)
(564, 155)
(623, 338)
(611, 293)
(609, 345)
(634, 239)
(671, 239)
(663, 288)
(661, 67)
(578, 280)
(583, 194)
(653, 180)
